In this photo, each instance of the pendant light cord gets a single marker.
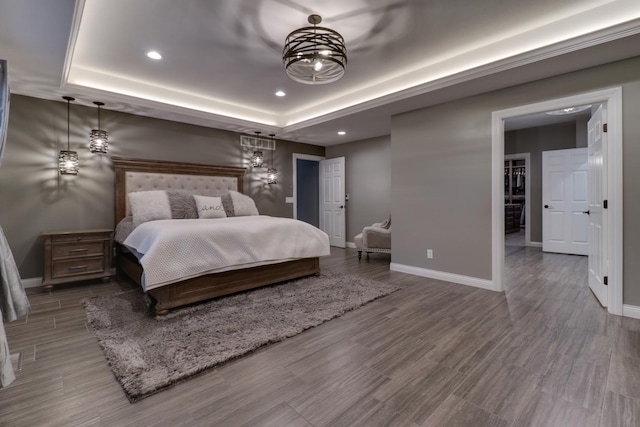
(68, 122)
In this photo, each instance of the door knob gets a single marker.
(585, 212)
(546, 206)
(341, 206)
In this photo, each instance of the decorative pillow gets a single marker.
(149, 206)
(387, 223)
(183, 205)
(228, 204)
(243, 205)
(123, 229)
(209, 207)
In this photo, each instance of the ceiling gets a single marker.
(222, 64)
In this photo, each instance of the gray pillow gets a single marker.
(243, 205)
(227, 204)
(387, 223)
(183, 205)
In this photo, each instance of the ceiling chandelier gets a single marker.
(314, 55)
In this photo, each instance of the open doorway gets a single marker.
(611, 186)
(306, 188)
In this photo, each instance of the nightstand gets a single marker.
(74, 255)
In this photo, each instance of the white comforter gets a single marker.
(174, 250)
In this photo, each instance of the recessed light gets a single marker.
(570, 110)
(280, 93)
(154, 55)
(341, 132)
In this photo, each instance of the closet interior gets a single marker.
(515, 174)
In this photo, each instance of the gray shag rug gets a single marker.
(148, 353)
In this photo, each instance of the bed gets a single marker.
(147, 175)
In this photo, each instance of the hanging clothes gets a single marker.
(13, 304)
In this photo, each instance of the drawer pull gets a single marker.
(78, 267)
(79, 250)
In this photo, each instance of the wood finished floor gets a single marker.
(432, 354)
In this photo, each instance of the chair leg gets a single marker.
(359, 255)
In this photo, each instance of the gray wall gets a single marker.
(535, 141)
(368, 181)
(35, 198)
(441, 168)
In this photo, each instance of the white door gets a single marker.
(596, 173)
(565, 201)
(332, 191)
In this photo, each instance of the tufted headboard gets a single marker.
(143, 175)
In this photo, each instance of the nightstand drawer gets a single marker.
(86, 237)
(77, 250)
(77, 267)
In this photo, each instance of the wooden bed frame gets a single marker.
(211, 285)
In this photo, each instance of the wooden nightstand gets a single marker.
(75, 255)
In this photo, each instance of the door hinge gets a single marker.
(605, 204)
(605, 280)
(605, 128)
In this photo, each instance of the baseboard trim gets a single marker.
(535, 244)
(351, 245)
(442, 275)
(631, 311)
(34, 282)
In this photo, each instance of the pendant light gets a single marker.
(67, 159)
(258, 158)
(314, 55)
(272, 173)
(98, 138)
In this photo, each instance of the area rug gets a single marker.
(148, 353)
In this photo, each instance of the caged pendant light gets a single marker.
(314, 55)
(272, 173)
(67, 159)
(98, 138)
(258, 158)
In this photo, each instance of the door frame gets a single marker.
(527, 193)
(295, 157)
(612, 184)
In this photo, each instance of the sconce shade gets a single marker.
(68, 163)
(257, 159)
(98, 138)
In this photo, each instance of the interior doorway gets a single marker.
(611, 185)
(306, 188)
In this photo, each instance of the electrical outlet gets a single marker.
(429, 253)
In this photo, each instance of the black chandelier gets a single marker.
(67, 159)
(314, 55)
(258, 158)
(98, 138)
(272, 172)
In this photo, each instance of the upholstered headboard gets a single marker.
(144, 175)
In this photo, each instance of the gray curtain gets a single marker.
(13, 304)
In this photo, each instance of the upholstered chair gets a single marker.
(374, 238)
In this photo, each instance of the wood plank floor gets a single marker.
(432, 354)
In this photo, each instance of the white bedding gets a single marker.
(173, 250)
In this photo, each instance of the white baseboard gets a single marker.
(535, 244)
(351, 245)
(442, 275)
(631, 311)
(34, 282)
